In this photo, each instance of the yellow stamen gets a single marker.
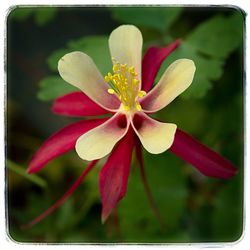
(106, 78)
(141, 93)
(126, 108)
(111, 91)
(138, 107)
(123, 82)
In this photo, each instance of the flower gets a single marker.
(126, 93)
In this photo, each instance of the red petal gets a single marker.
(66, 195)
(61, 142)
(204, 159)
(113, 177)
(152, 61)
(77, 104)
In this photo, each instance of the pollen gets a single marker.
(138, 107)
(111, 91)
(124, 83)
(141, 93)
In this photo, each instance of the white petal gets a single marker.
(125, 44)
(156, 137)
(79, 70)
(177, 78)
(100, 141)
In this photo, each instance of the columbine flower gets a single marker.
(125, 93)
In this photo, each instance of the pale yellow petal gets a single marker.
(176, 79)
(100, 141)
(125, 44)
(79, 70)
(156, 137)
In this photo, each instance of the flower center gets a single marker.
(124, 83)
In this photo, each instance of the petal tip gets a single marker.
(100, 141)
(188, 62)
(207, 161)
(85, 156)
(125, 27)
(104, 218)
(65, 58)
(230, 173)
(156, 137)
(178, 41)
(69, 60)
(32, 168)
(29, 171)
(192, 66)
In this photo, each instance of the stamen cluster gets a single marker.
(124, 83)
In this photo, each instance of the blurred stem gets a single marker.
(146, 186)
(22, 172)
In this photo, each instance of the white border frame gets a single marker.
(6, 242)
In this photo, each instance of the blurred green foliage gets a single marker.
(94, 46)
(168, 185)
(194, 208)
(52, 87)
(160, 18)
(208, 45)
(42, 15)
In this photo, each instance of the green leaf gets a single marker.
(159, 18)
(94, 46)
(207, 69)
(22, 171)
(219, 36)
(97, 48)
(208, 46)
(44, 15)
(53, 59)
(179, 113)
(53, 86)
